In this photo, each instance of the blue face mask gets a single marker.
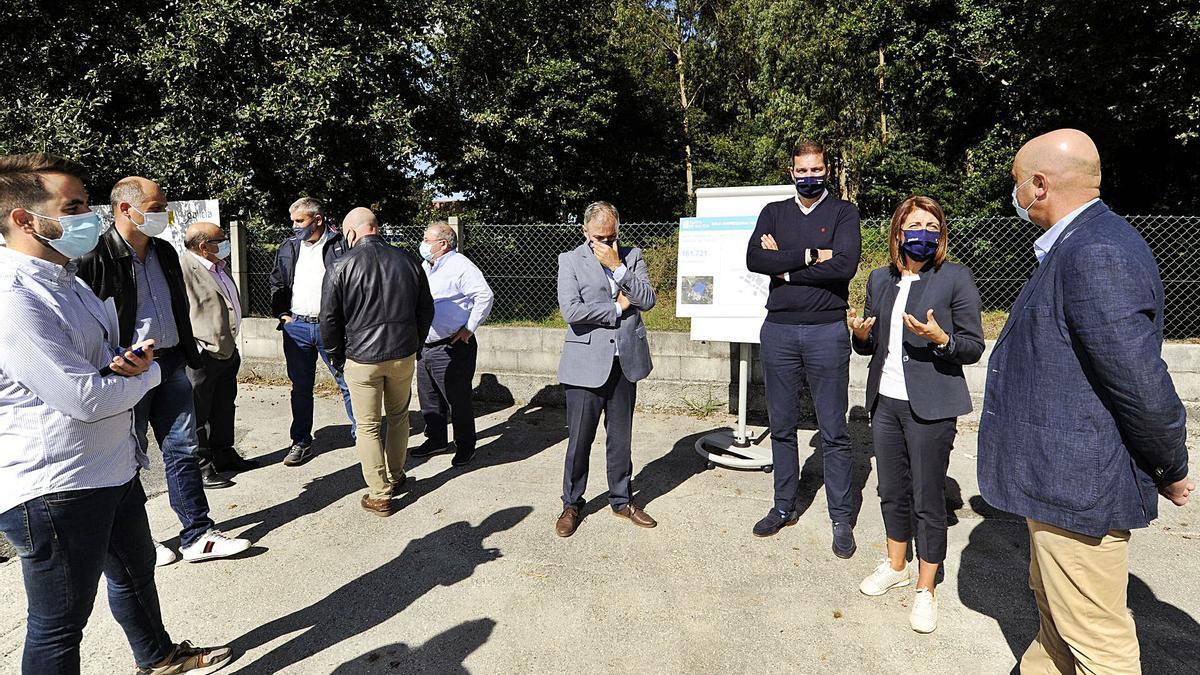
(80, 233)
(811, 186)
(1022, 211)
(920, 245)
(223, 250)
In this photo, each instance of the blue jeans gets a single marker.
(301, 346)
(170, 411)
(819, 354)
(65, 540)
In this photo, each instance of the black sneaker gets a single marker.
(299, 454)
(462, 458)
(428, 449)
(843, 540)
(775, 521)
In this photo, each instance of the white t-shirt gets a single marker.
(891, 383)
(310, 273)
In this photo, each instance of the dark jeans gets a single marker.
(169, 410)
(821, 354)
(615, 398)
(911, 458)
(65, 540)
(301, 346)
(444, 376)
(214, 385)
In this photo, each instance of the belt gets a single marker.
(302, 318)
(439, 343)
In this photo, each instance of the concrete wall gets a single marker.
(521, 364)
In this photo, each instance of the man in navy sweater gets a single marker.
(810, 246)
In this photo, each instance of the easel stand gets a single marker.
(734, 448)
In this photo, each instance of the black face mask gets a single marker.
(305, 232)
(811, 186)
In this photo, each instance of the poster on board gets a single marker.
(712, 277)
(739, 321)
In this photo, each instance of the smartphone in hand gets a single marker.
(107, 370)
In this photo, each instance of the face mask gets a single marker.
(920, 245)
(153, 223)
(80, 234)
(426, 251)
(305, 232)
(811, 186)
(1022, 211)
(223, 250)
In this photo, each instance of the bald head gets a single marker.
(130, 198)
(1056, 173)
(200, 233)
(360, 222)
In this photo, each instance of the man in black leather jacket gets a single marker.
(376, 310)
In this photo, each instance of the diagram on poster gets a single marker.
(713, 279)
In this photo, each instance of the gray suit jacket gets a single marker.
(208, 309)
(594, 329)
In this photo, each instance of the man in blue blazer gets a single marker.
(1081, 427)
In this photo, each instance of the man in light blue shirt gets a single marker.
(462, 301)
(71, 503)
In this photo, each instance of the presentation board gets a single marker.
(732, 306)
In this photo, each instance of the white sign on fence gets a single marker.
(184, 213)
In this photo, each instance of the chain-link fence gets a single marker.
(520, 261)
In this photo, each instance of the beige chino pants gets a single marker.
(1081, 584)
(386, 387)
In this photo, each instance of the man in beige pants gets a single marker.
(375, 313)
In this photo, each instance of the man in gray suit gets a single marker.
(602, 290)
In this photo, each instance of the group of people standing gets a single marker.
(112, 335)
(1081, 429)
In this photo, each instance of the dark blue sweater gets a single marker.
(813, 294)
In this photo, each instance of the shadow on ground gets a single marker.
(993, 579)
(443, 557)
(442, 654)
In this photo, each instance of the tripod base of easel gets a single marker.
(722, 448)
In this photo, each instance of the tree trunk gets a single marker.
(685, 105)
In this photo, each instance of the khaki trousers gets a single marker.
(1080, 583)
(386, 386)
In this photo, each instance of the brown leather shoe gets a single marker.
(568, 522)
(380, 507)
(635, 515)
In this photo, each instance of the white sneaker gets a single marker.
(163, 556)
(923, 617)
(884, 579)
(214, 544)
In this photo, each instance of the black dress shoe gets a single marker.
(774, 521)
(428, 449)
(213, 480)
(232, 461)
(843, 540)
(462, 458)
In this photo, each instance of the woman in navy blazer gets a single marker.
(921, 325)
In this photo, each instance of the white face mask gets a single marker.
(153, 223)
(223, 250)
(1022, 211)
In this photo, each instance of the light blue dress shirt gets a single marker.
(62, 425)
(155, 319)
(1046, 242)
(461, 296)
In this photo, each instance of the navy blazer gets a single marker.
(934, 377)
(1080, 418)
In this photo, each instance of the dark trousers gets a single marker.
(169, 410)
(65, 540)
(301, 347)
(911, 459)
(821, 355)
(444, 377)
(615, 398)
(214, 388)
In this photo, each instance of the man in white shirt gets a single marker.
(216, 314)
(71, 502)
(462, 301)
(296, 287)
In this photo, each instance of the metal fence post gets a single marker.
(238, 262)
